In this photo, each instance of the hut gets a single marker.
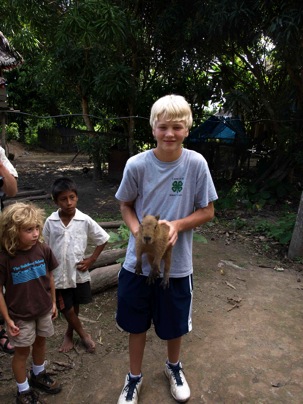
(223, 142)
(9, 59)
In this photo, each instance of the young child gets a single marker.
(176, 184)
(29, 304)
(67, 231)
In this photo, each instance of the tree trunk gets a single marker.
(97, 173)
(85, 112)
(109, 257)
(104, 278)
(131, 130)
(295, 249)
(90, 127)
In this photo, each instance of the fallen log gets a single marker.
(104, 278)
(111, 225)
(109, 257)
(10, 201)
(30, 193)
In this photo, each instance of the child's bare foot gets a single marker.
(67, 344)
(89, 344)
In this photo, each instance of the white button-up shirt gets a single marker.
(69, 244)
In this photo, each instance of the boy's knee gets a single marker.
(21, 353)
(39, 341)
(68, 312)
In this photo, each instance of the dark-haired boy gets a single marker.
(67, 231)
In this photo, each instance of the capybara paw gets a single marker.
(164, 283)
(150, 280)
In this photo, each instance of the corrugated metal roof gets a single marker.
(9, 57)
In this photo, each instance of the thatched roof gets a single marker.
(9, 57)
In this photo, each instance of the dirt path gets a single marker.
(246, 354)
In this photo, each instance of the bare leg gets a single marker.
(68, 342)
(136, 352)
(19, 363)
(38, 352)
(74, 324)
(173, 349)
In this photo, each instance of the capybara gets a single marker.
(152, 240)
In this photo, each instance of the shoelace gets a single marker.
(46, 379)
(130, 387)
(177, 374)
(32, 398)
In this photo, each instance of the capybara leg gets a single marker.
(165, 281)
(139, 267)
(167, 262)
(154, 274)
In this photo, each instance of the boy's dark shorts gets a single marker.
(67, 298)
(141, 304)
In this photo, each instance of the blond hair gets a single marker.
(171, 108)
(16, 217)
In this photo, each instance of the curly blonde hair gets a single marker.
(16, 217)
(171, 108)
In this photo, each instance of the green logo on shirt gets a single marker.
(177, 186)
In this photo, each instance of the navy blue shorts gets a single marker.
(141, 304)
(67, 298)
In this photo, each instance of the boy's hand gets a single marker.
(13, 329)
(173, 232)
(54, 311)
(85, 264)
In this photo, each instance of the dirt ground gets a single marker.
(246, 344)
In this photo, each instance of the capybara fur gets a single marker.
(152, 240)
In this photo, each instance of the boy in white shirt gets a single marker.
(67, 231)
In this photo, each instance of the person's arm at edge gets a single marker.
(53, 295)
(14, 330)
(10, 186)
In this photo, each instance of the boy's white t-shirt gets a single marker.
(172, 190)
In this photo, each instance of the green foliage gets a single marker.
(120, 238)
(32, 128)
(239, 223)
(280, 230)
(244, 193)
(96, 146)
(12, 131)
(116, 58)
(199, 238)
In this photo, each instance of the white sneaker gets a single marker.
(178, 385)
(131, 390)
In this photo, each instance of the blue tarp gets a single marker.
(221, 130)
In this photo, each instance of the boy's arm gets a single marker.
(13, 329)
(86, 263)
(53, 295)
(195, 219)
(129, 216)
(10, 187)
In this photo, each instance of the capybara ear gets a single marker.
(157, 217)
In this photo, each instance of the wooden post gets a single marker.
(3, 137)
(295, 249)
